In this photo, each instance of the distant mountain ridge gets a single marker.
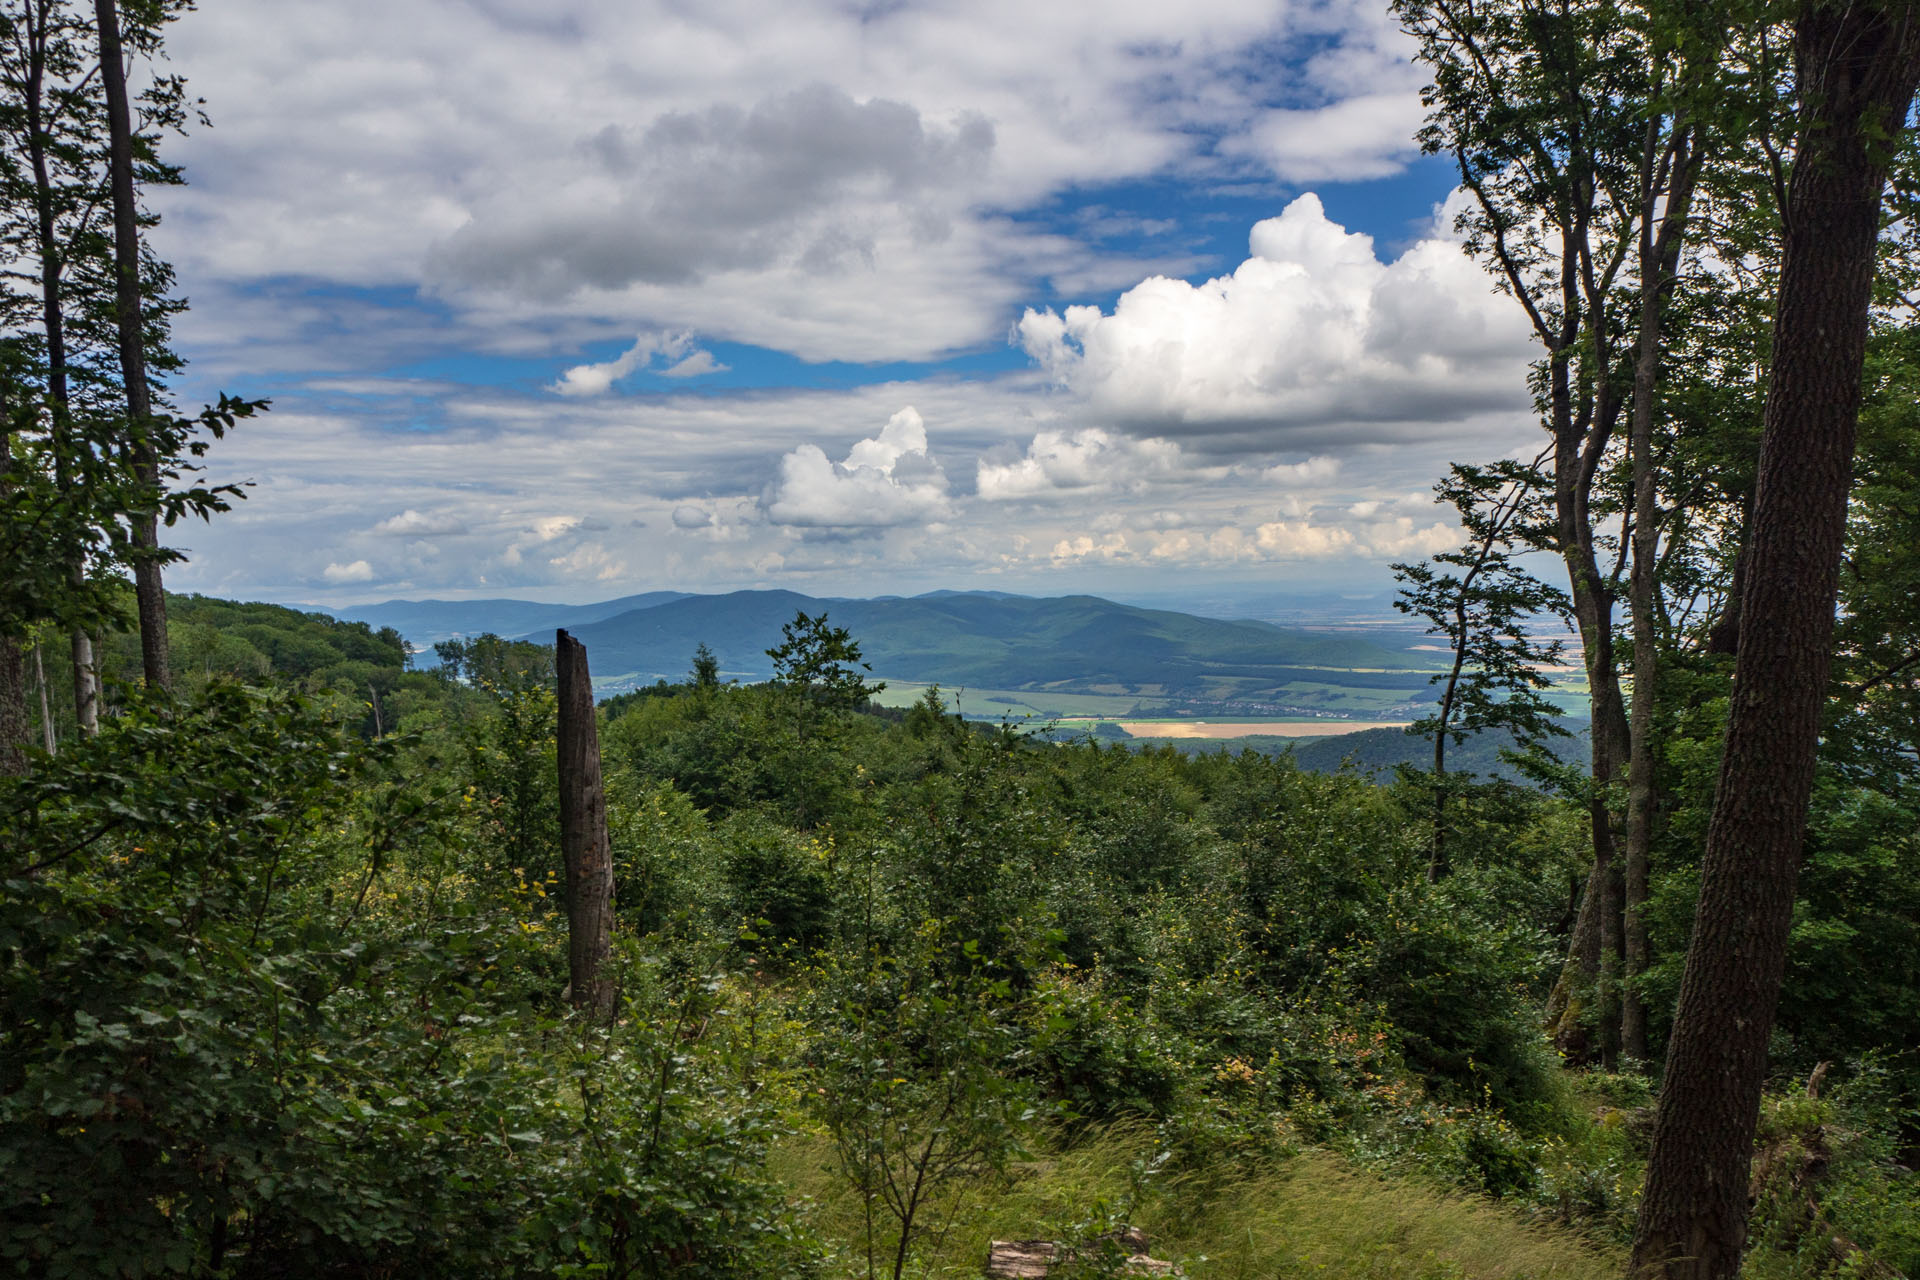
(424, 622)
(990, 639)
(1005, 641)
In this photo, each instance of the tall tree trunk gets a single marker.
(47, 738)
(15, 732)
(1659, 266)
(584, 847)
(1581, 1001)
(149, 592)
(14, 728)
(86, 700)
(1857, 68)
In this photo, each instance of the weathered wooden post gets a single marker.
(583, 833)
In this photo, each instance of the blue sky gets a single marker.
(568, 299)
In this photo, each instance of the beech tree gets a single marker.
(130, 326)
(1587, 136)
(98, 459)
(1856, 66)
(1482, 601)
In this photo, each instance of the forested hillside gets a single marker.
(322, 971)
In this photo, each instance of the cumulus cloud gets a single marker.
(890, 479)
(355, 571)
(418, 524)
(683, 360)
(1300, 539)
(1061, 462)
(590, 561)
(1312, 337)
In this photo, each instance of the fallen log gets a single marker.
(1034, 1259)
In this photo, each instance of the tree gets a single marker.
(51, 196)
(910, 1047)
(1857, 68)
(130, 326)
(706, 669)
(1583, 134)
(821, 664)
(90, 484)
(1482, 601)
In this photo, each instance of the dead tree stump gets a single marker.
(584, 848)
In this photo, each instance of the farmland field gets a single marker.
(1230, 729)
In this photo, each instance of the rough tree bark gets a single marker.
(14, 728)
(51, 267)
(1857, 68)
(1662, 237)
(149, 592)
(584, 848)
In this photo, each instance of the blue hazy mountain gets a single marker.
(423, 622)
(997, 640)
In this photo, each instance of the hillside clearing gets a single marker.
(1307, 1215)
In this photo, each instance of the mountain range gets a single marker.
(973, 638)
(426, 622)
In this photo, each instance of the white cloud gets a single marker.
(1318, 469)
(1312, 339)
(590, 561)
(1290, 539)
(547, 528)
(688, 516)
(357, 571)
(692, 366)
(890, 479)
(1059, 462)
(684, 361)
(417, 524)
(1369, 135)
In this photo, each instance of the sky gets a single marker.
(568, 299)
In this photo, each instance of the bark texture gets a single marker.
(149, 592)
(51, 270)
(1662, 237)
(1857, 67)
(15, 730)
(14, 727)
(584, 846)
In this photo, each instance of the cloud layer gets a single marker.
(837, 181)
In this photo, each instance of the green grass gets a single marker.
(1310, 1215)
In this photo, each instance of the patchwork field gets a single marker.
(1229, 729)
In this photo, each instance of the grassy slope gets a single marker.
(1308, 1216)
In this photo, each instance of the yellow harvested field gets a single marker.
(1248, 728)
